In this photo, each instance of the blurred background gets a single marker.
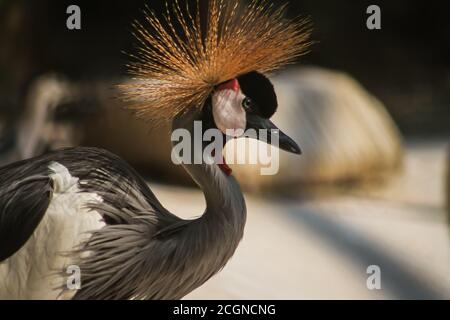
(370, 109)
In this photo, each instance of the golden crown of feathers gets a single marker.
(185, 54)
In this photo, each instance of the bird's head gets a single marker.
(215, 68)
(247, 102)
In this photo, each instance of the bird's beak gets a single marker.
(273, 134)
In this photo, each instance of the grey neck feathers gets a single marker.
(224, 200)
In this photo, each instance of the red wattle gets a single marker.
(230, 85)
(223, 166)
(225, 169)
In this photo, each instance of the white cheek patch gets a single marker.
(228, 113)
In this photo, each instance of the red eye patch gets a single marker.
(229, 85)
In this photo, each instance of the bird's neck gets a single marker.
(224, 199)
(223, 195)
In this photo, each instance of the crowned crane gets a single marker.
(88, 208)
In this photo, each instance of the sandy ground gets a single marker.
(320, 249)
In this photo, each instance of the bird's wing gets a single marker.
(126, 196)
(24, 199)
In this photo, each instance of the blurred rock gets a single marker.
(52, 118)
(36, 131)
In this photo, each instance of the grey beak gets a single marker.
(273, 134)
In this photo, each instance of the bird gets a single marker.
(87, 208)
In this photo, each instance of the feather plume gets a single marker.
(182, 57)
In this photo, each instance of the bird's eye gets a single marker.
(246, 103)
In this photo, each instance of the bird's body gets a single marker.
(84, 203)
(87, 208)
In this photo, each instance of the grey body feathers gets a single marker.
(144, 251)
